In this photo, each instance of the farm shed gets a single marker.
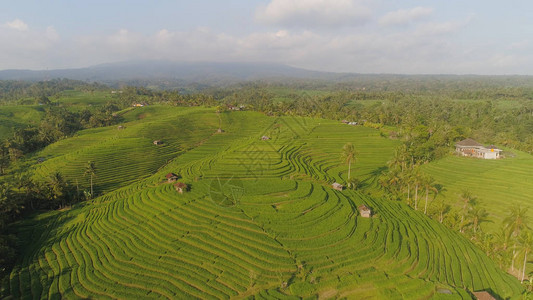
(365, 211)
(120, 127)
(158, 142)
(337, 186)
(469, 147)
(180, 187)
(220, 130)
(265, 138)
(171, 177)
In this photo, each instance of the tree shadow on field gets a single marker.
(36, 231)
(374, 175)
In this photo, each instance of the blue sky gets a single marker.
(380, 36)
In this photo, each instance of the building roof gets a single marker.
(468, 143)
(492, 147)
(363, 207)
(170, 175)
(180, 185)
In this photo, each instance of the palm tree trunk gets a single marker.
(416, 196)
(462, 222)
(524, 267)
(512, 260)
(408, 192)
(426, 206)
(349, 168)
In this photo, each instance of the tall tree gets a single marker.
(442, 209)
(348, 155)
(58, 188)
(467, 200)
(416, 177)
(429, 185)
(477, 215)
(90, 170)
(515, 223)
(525, 245)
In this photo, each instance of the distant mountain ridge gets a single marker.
(186, 71)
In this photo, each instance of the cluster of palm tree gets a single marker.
(405, 180)
(512, 244)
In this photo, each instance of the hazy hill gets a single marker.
(143, 70)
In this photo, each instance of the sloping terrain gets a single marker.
(260, 219)
(498, 185)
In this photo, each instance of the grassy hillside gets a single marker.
(123, 156)
(260, 220)
(497, 184)
(19, 116)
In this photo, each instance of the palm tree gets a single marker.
(407, 178)
(515, 222)
(429, 184)
(416, 177)
(467, 200)
(24, 182)
(477, 215)
(90, 169)
(442, 209)
(58, 187)
(525, 245)
(348, 155)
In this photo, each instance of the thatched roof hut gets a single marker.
(365, 211)
(337, 186)
(181, 187)
(171, 177)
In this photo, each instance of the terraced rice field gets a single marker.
(260, 221)
(496, 183)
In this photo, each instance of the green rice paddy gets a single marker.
(260, 219)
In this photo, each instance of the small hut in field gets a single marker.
(337, 186)
(171, 177)
(158, 142)
(265, 138)
(220, 130)
(181, 187)
(120, 127)
(365, 211)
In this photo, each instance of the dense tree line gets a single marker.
(20, 91)
(57, 123)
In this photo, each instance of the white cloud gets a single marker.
(17, 25)
(51, 33)
(405, 16)
(442, 28)
(314, 13)
(426, 48)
